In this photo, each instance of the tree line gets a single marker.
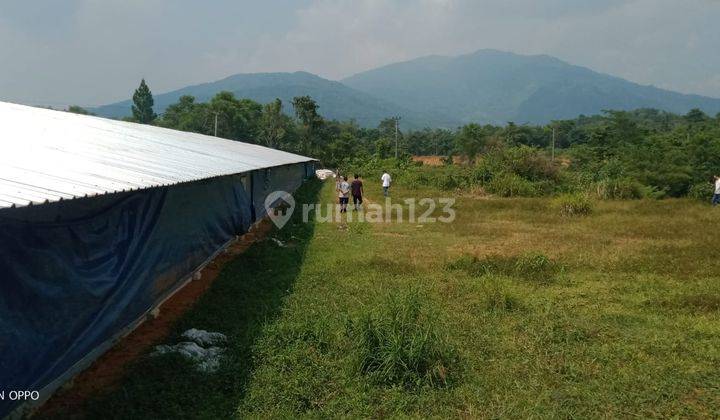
(665, 152)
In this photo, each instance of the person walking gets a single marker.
(386, 181)
(716, 196)
(338, 180)
(356, 187)
(343, 194)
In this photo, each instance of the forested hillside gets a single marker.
(487, 87)
(335, 100)
(492, 86)
(616, 154)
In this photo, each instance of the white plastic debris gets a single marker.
(324, 174)
(279, 243)
(203, 350)
(205, 359)
(205, 338)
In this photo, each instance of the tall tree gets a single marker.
(143, 102)
(272, 124)
(187, 115)
(695, 116)
(237, 118)
(306, 111)
(470, 141)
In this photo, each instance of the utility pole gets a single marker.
(397, 120)
(216, 116)
(553, 145)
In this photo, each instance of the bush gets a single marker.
(623, 189)
(577, 204)
(447, 182)
(511, 185)
(402, 345)
(371, 168)
(703, 191)
(413, 177)
(530, 163)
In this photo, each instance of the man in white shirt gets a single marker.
(716, 197)
(386, 180)
(343, 190)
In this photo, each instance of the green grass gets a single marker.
(403, 345)
(530, 266)
(577, 204)
(513, 310)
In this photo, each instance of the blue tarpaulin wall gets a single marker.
(75, 274)
(283, 178)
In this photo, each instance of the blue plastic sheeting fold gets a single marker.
(74, 274)
(282, 178)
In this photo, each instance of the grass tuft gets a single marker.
(499, 300)
(533, 267)
(401, 344)
(577, 204)
(696, 302)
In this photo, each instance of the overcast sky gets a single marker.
(90, 52)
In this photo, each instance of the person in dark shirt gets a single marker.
(356, 187)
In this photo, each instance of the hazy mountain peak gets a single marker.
(486, 86)
(499, 86)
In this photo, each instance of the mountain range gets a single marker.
(487, 86)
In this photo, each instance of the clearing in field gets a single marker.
(512, 310)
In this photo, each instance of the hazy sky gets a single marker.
(90, 52)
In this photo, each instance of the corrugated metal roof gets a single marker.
(47, 156)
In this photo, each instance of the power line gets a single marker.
(397, 120)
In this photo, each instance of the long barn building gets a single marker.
(101, 220)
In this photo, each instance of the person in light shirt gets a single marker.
(386, 180)
(716, 197)
(343, 190)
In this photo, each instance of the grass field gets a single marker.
(510, 311)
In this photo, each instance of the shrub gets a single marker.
(530, 163)
(702, 191)
(402, 344)
(623, 189)
(440, 177)
(577, 204)
(511, 185)
(413, 177)
(545, 188)
(446, 181)
(481, 173)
